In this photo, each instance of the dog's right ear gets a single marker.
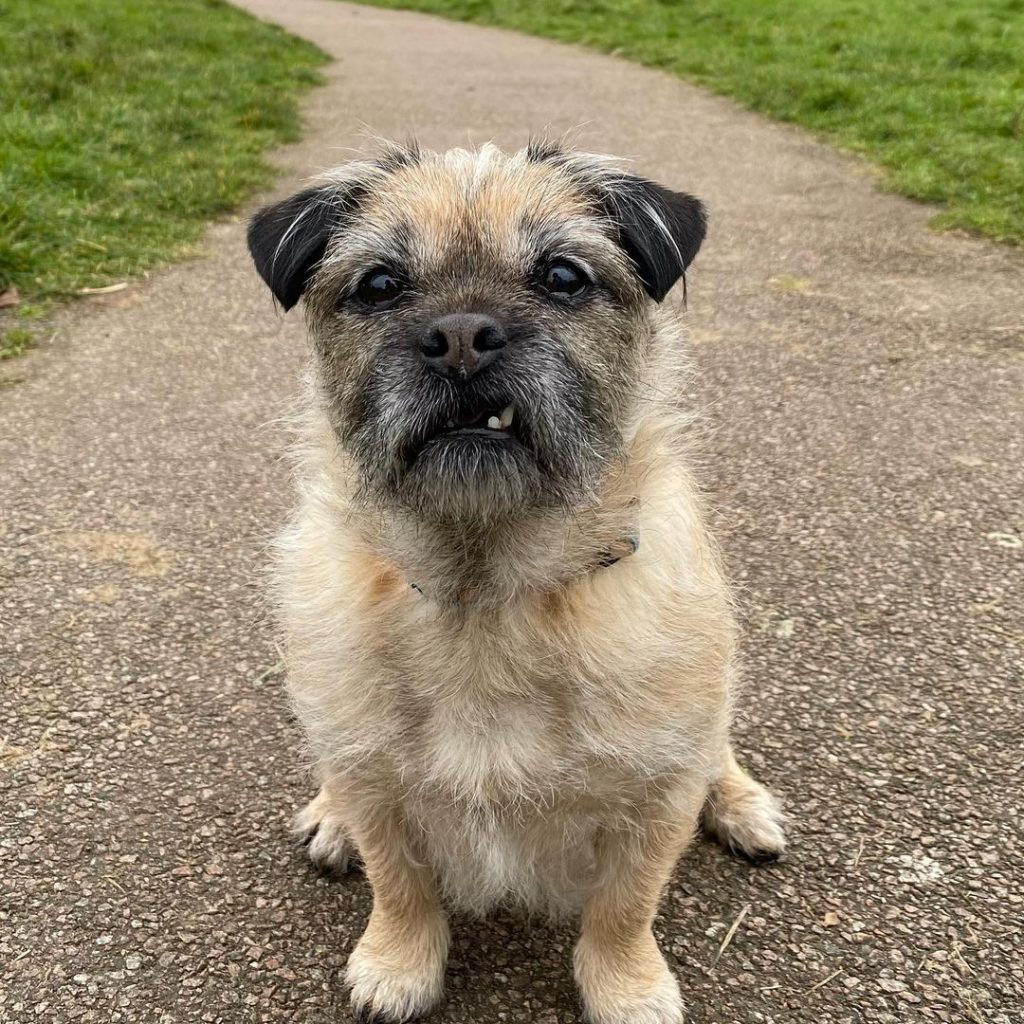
(659, 229)
(288, 239)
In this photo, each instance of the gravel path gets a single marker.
(864, 380)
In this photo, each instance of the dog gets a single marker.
(508, 634)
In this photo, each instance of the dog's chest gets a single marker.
(512, 726)
(497, 751)
(507, 801)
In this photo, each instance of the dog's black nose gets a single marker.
(461, 344)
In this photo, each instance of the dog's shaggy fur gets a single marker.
(496, 712)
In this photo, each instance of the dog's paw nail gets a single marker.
(760, 858)
(333, 871)
(363, 1014)
(367, 1015)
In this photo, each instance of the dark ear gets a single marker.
(288, 239)
(660, 230)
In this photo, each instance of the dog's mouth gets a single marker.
(490, 424)
(486, 421)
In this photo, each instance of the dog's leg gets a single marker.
(622, 976)
(743, 816)
(319, 828)
(396, 971)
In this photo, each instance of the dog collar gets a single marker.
(621, 549)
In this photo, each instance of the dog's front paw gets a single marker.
(321, 832)
(629, 986)
(399, 985)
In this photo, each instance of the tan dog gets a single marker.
(506, 703)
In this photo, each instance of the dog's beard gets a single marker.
(550, 457)
(473, 479)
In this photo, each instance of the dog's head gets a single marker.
(481, 321)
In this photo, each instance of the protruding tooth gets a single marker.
(494, 423)
(506, 417)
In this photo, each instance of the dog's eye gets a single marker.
(562, 280)
(379, 289)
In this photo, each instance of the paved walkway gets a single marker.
(864, 378)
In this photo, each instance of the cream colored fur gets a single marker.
(551, 741)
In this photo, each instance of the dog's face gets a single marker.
(481, 321)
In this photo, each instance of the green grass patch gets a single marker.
(126, 127)
(14, 341)
(933, 92)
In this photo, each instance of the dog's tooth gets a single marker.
(506, 417)
(451, 423)
(494, 423)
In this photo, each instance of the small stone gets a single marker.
(891, 985)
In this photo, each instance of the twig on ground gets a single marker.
(731, 932)
(109, 289)
(274, 670)
(860, 853)
(824, 981)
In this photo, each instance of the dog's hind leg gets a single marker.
(319, 828)
(742, 815)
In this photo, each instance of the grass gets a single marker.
(126, 127)
(932, 92)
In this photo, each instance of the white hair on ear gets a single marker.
(659, 222)
(289, 232)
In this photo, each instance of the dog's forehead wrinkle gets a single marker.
(487, 182)
(463, 204)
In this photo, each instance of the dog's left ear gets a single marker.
(288, 239)
(660, 230)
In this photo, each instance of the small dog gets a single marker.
(508, 634)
